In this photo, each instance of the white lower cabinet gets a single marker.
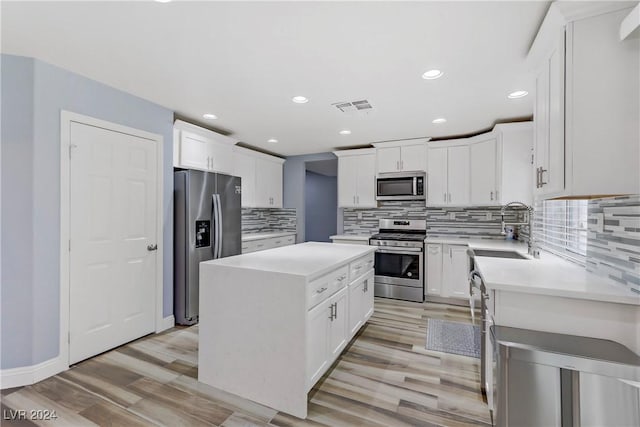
(434, 270)
(447, 271)
(332, 322)
(328, 333)
(360, 302)
(455, 271)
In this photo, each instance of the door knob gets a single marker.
(152, 248)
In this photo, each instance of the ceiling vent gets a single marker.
(360, 107)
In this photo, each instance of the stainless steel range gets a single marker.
(399, 264)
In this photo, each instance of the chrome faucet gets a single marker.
(533, 249)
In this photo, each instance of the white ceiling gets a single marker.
(243, 61)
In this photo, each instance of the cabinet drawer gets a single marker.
(256, 245)
(283, 241)
(360, 266)
(323, 287)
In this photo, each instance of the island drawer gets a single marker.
(323, 287)
(360, 266)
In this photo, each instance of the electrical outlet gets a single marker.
(600, 222)
(489, 216)
(452, 215)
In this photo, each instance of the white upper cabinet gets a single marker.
(548, 116)
(514, 164)
(245, 168)
(501, 165)
(356, 178)
(483, 172)
(261, 178)
(586, 108)
(388, 159)
(198, 148)
(448, 174)
(401, 156)
(437, 176)
(458, 175)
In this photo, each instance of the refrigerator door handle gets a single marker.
(214, 225)
(219, 225)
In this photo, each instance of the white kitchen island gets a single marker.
(273, 322)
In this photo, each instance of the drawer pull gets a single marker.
(321, 290)
(278, 242)
(358, 267)
(341, 278)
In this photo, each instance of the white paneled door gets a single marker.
(113, 237)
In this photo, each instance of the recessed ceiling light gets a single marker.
(210, 116)
(432, 74)
(439, 120)
(345, 132)
(518, 94)
(163, 1)
(300, 99)
(273, 141)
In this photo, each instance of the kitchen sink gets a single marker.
(499, 254)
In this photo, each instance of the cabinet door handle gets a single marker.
(358, 199)
(538, 177)
(321, 290)
(542, 171)
(492, 195)
(497, 198)
(449, 197)
(401, 164)
(331, 312)
(354, 200)
(397, 165)
(445, 197)
(335, 310)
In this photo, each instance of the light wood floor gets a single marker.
(385, 377)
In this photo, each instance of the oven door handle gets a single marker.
(407, 251)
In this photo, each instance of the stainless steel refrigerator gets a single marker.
(206, 226)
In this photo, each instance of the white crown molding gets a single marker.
(205, 133)
(401, 142)
(250, 152)
(354, 152)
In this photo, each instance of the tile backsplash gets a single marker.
(479, 222)
(258, 220)
(615, 252)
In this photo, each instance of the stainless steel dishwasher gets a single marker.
(548, 379)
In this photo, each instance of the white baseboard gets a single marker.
(26, 375)
(167, 323)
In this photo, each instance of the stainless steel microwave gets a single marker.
(401, 186)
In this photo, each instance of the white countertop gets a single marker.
(248, 237)
(359, 237)
(309, 259)
(551, 275)
(492, 244)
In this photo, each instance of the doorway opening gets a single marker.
(321, 200)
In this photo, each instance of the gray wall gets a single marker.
(31, 194)
(321, 205)
(17, 212)
(294, 177)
